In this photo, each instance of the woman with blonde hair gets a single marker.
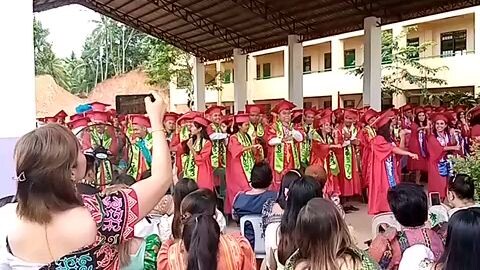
(324, 241)
(55, 227)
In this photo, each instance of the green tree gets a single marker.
(46, 62)
(401, 63)
(167, 64)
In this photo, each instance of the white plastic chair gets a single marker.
(384, 218)
(256, 220)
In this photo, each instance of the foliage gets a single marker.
(167, 64)
(46, 61)
(470, 165)
(401, 64)
(458, 98)
(110, 50)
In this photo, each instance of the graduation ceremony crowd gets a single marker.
(168, 191)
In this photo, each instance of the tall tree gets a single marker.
(401, 64)
(46, 62)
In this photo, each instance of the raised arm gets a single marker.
(152, 189)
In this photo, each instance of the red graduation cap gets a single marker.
(171, 116)
(475, 131)
(350, 114)
(282, 106)
(214, 109)
(141, 120)
(369, 113)
(189, 116)
(406, 108)
(76, 116)
(255, 108)
(310, 111)
(122, 117)
(437, 116)
(50, 119)
(98, 116)
(201, 121)
(113, 112)
(326, 118)
(384, 118)
(440, 109)
(419, 110)
(99, 106)
(79, 123)
(227, 120)
(61, 115)
(297, 115)
(242, 118)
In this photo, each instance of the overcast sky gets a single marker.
(69, 26)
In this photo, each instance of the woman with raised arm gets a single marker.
(58, 228)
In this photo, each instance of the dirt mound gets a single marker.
(132, 83)
(52, 98)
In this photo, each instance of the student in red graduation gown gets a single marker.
(282, 138)
(385, 170)
(198, 165)
(240, 159)
(365, 136)
(350, 178)
(323, 146)
(440, 143)
(417, 144)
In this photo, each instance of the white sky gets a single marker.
(69, 26)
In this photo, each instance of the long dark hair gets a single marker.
(287, 181)
(180, 190)
(203, 135)
(386, 132)
(201, 233)
(301, 191)
(322, 236)
(420, 123)
(463, 236)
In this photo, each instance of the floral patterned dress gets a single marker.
(115, 216)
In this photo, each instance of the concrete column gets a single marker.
(335, 100)
(295, 70)
(17, 77)
(199, 84)
(398, 31)
(477, 31)
(251, 76)
(477, 46)
(372, 77)
(337, 54)
(239, 80)
(428, 35)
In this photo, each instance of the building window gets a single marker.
(349, 58)
(266, 71)
(307, 105)
(350, 103)
(307, 64)
(258, 72)
(327, 104)
(327, 61)
(453, 43)
(413, 43)
(387, 50)
(228, 76)
(414, 100)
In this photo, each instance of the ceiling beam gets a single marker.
(234, 38)
(278, 18)
(154, 31)
(54, 4)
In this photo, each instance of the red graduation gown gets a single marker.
(436, 182)
(204, 164)
(320, 155)
(288, 157)
(353, 186)
(414, 147)
(176, 146)
(365, 138)
(236, 179)
(380, 151)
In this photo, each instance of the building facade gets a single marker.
(328, 62)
